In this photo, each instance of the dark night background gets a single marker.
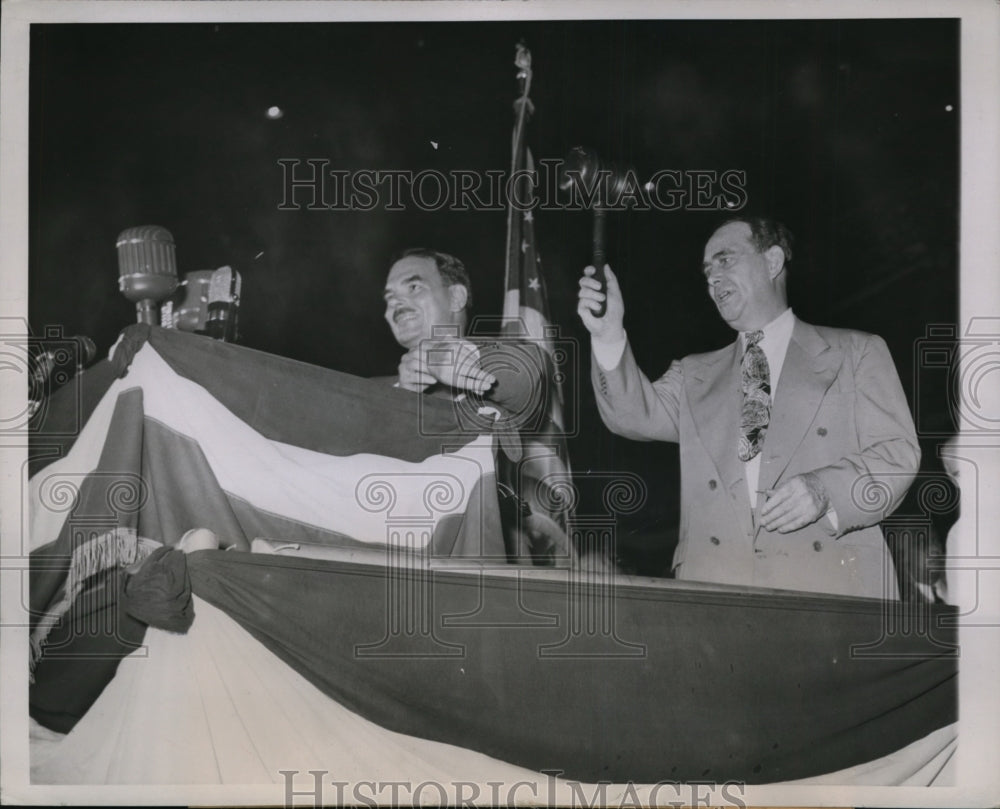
(847, 131)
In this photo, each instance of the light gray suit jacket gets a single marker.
(839, 411)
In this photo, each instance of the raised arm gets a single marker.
(630, 405)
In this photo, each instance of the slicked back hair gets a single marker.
(766, 233)
(452, 269)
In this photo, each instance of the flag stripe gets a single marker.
(340, 494)
(162, 454)
(751, 721)
(332, 412)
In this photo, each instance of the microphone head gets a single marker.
(41, 364)
(88, 350)
(147, 267)
(224, 286)
(191, 301)
(223, 304)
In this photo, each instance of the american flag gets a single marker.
(525, 311)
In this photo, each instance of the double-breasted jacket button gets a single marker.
(817, 545)
(714, 540)
(821, 431)
(713, 485)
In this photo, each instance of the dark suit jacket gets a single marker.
(839, 411)
(516, 409)
(521, 368)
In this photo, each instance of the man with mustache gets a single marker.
(795, 440)
(427, 297)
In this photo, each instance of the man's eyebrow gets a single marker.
(403, 282)
(724, 251)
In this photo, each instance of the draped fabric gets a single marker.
(200, 434)
(203, 434)
(685, 684)
(215, 706)
(413, 623)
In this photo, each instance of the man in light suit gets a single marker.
(794, 443)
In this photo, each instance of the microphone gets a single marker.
(191, 301)
(147, 268)
(224, 305)
(41, 364)
(88, 351)
(49, 365)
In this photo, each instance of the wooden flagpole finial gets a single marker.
(522, 60)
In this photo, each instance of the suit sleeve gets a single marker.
(522, 371)
(632, 406)
(866, 486)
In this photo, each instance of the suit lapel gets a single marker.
(811, 364)
(715, 400)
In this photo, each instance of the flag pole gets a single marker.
(522, 109)
(543, 474)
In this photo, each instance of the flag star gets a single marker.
(524, 245)
(533, 283)
(528, 217)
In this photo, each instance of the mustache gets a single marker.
(402, 310)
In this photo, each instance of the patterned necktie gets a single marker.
(756, 383)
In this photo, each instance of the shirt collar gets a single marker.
(778, 330)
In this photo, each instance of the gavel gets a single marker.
(602, 182)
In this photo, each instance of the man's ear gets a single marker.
(775, 261)
(458, 296)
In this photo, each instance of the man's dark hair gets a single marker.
(766, 233)
(452, 269)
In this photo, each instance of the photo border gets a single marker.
(979, 699)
